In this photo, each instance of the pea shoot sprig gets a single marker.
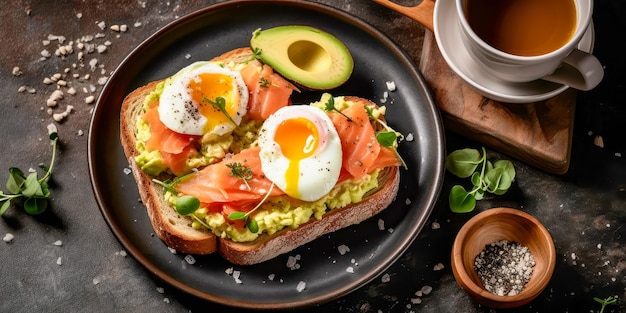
(486, 177)
(240, 171)
(220, 104)
(250, 223)
(605, 302)
(33, 190)
(330, 106)
(185, 205)
(388, 137)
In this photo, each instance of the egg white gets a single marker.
(180, 112)
(318, 172)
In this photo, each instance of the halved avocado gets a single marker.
(308, 56)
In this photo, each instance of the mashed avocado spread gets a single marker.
(275, 214)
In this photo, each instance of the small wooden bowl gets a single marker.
(502, 224)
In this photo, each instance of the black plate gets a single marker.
(219, 28)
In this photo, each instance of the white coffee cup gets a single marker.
(566, 65)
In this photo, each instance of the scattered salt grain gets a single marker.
(8, 237)
(172, 250)
(160, 290)
(127, 170)
(58, 243)
(166, 300)
(386, 278)
(416, 300)
(435, 225)
(407, 201)
(292, 262)
(391, 86)
(96, 280)
(350, 269)
(271, 276)
(16, 71)
(102, 25)
(236, 275)
(426, 290)
(343, 249)
(438, 267)
(381, 224)
(59, 261)
(90, 99)
(190, 259)
(301, 286)
(409, 137)
(229, 271)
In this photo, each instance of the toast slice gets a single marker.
(176, 231)
(267, 247)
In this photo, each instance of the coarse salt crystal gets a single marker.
(386, 278)
(301, 286)
(190, 259)
(59, 261)
(8, 237)
(381, 224)
(343, 249)
(350, 269)
(438, 267)
(391, 86)
(58, 243)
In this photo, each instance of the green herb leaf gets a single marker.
(5, 206)
(460, 200)
(16, 180)
(387, 139)
(253, 226)
(463, 163)
(236, 216)
(605, 302)
(34, 206)
(486, 177)
(186, 205)
(34, 191)
(330, 106)
(220, 104)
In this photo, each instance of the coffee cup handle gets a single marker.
(579, 70)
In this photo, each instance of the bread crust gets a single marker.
(176, 231)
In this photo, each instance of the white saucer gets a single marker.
(448, 36)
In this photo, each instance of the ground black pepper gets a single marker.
(504, 267)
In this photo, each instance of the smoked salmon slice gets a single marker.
(174, 147)
(268, 90)
(362, 153)
(215, 183)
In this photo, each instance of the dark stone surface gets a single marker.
(584, 209)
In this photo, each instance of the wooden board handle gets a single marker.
(422, 13)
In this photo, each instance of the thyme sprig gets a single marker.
(240, 171)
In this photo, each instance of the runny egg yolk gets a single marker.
(206, 89)
(298, 139)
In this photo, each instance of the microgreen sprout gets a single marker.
(388, 137)
(494, 178)
(604, 302)
(185, 205)
(250, 223)
(256, 53)
(240, 171)
(330, 106)
(220, 104)
(32, 189)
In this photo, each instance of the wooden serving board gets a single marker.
(538, 133)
